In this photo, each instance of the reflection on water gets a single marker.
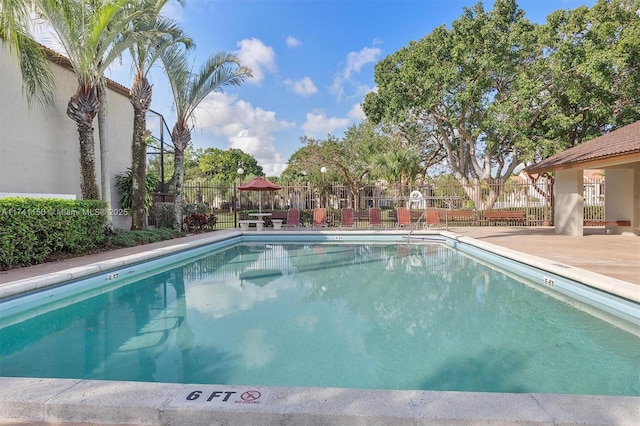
(395, 316)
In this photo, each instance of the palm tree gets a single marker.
(398, 167)
(145, 53)
(93, 33)
(37, 78)
(189, 90)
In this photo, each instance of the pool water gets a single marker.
(383, 316)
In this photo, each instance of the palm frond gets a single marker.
(220, 70)
(37, 79)
(175, 62)
(67, 19)
(117, 34)
(189, 89)
(160, 33)
(13, 17)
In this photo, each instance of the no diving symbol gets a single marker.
(223, 396)
(251, 396)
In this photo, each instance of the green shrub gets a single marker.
(306, 216)
(124, 184)
(189, 208)
(33, 228)
(163, 214)
(122, 238)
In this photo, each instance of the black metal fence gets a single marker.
(532, 198)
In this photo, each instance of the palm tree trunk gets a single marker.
(82, 109)
(181, 137)
(178, 155)
(140, 97)
(103, 135)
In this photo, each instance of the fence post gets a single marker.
(235, 209)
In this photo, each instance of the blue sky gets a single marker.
(313, 62)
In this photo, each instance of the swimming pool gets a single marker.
(226, 314)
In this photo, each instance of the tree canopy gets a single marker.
(495, 90)
(591, 67)
(222, 165)
(469, 87)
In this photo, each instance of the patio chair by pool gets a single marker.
(346, 218)
(432, 219)
(320, 217)
(403, 217)
(375, 217)
(293, 219)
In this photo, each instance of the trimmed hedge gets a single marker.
(33, 228)
(122, 238)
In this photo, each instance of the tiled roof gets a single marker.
(64, 62)
(618, 143)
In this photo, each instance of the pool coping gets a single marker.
(111, 402)
(103, 402)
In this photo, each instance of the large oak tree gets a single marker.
(470, 87)
(495, 90)
(591, 68)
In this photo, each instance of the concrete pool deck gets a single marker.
(66, 401)
(616, 256)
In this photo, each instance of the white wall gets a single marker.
(635, 220)
(621, 196)
(568, 212)
(39, 149)
(622, 199)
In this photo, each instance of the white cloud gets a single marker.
(356, 113)
(304, 87)
(321, 125)
(293, 42)
(336, 87)
(222, 296)
(361, 90)
(257, 56)
(355, 62)
(244, 127)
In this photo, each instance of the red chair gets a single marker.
(403, 217)
(432, 218)
(375, 217)
(293, 218)
(320, 217)
(346, 218)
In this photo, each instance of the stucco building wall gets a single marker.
(39, 149)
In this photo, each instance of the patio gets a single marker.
(616, 256)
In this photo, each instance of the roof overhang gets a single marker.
(615, 148)
(64, 62)
(601, 163)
